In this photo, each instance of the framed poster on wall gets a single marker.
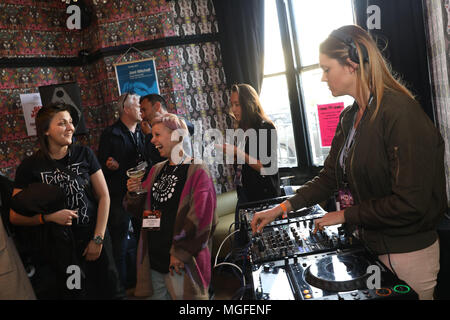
(138, 77)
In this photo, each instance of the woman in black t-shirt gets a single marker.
(174, 261)
(76, 170)
(256, 155)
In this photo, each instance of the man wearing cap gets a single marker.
(122, 146)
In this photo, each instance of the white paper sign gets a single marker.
(31, 103)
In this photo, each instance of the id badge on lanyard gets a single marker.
(344, 199)
(151, 220)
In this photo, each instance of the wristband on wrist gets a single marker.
(284, 208)
(41, 219)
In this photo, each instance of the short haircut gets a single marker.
(153, 97)
(171, 121)
(125, 100)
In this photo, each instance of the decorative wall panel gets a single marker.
(191, 76)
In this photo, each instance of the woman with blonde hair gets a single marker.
(387, 157)
(174, 260)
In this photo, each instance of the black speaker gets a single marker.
(68, 93)
(352, 50)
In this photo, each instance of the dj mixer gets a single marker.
(288, 261)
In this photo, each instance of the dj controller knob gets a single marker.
(259, 293)
(339, 243)
(261, 245)
(330, 242)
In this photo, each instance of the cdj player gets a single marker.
(293, 235)
(289, 262)
(336, 275)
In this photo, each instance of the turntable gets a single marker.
(337, 275)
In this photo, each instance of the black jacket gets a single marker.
(396, 175)
(256, 185)
(116, 141)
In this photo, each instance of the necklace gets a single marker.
(177, 165)
(164, 187)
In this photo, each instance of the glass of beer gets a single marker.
(137, 173)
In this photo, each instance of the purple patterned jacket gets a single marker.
(194, 226)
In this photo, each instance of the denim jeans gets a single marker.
(118, 225)
(160, 291)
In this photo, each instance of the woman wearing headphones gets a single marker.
(386, 156)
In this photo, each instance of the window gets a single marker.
(292, 91)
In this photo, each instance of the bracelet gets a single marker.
(284, 208)
(41, 219)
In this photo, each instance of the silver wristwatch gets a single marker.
(98, 240)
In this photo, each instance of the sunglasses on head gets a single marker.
(125, 99)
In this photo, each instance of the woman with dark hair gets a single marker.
(75, 170)
(255, 153)
(385, 166)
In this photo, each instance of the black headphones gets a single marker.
(352, 50)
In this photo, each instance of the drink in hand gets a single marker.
(137, 173)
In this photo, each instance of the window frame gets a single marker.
(293, 71)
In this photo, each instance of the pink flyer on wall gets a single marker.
(328, 120)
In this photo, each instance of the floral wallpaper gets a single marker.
(190, 76)
(36, 29)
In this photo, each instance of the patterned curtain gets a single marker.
(437, 20)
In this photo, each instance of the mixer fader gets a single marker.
(295, 237)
